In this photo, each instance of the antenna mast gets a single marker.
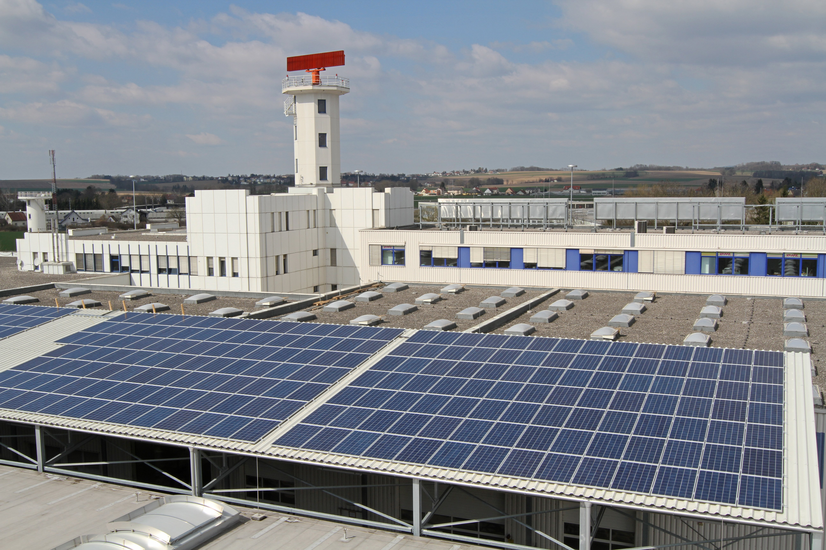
(54, 206)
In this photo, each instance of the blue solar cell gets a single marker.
(675, 482)
(558, 360)
(636, 383)
(418, 450)
(596, 472)
(282, 410)
(534, 393)
(440, 427)
(410, 424)
(661, 404)
(760, 492)
(486, 459)
(634, 477)
(518, 373)
(451, 454)
(766, 437)
(129, 414)
(475, 388)
(504, 390)
(533, 437)
(232, 404)
(107, 410)
(326, 439)
(734, 411)
(176, 420)
(737, 373)
(307, 391)
(762, 462)
(682, 453)
(653, 425)
(448, 386)
(552, 415)
(722, 458)
(768, 358)
(767, 393)
(605, 380)
(324, 414)
(618, 422)
(697, 387)
(572, 442)
(503, 434)
(156, 415)
(716, 487)
(347, 396)
(594, 399)
(627, 401)
(437, 367)
(430, 404)
(459, 406)
(726, 433)
(401, 401)
(694, 407)
(521, 413)
(227, 427)
(541, 344)
(605, 445)
(471, 431)
(379, 421)
(615, 364)
(521, 463)
(584, 419)
(762, 413)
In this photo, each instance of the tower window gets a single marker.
(322, 106)
(322, 173)
(322, 140)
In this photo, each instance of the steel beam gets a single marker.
(585, 525)
(40, 448)
(417, 508)
(195, 472)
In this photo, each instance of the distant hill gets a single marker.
(46, 185)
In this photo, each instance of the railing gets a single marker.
(307, 80)
(22, 195)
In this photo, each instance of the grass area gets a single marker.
(7, 239)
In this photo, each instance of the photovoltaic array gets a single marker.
(226, 378)
(691, 423)
(16, 318)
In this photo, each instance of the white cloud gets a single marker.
(77, 7)
(66, 113)
(205, 138)
(27, 75)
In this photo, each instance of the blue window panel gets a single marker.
(694, 407)
(439, 427)
(534, 393)
(615, 364)
(572, 442)
(504, 390)
(737, 391)
(627, 401)
(596, 472)
(722, 458)
(697, 387)
(660, 404)
(725, 433)
(762, 413)
(488, 410)
(550, 415)
(326, 439)
(448, 386)
(351, 418)
(347, 396)
(716, 487)
(765, 437)
(618, 422)
(535, 437)
(563, 395)
(282, 410)
(605, 380)
(653, 425)
(761, 493)
(646, 449)
(356, 443)
(768, 358)
(521, 463)
(129, 414)
(584, 419)
(402, 401)
(558, 467)
(636, 383)
(451, 455)
(766, 393)
(690, 429)
(636, 478)
(297, 436)
(459, 406)
(430, 404)
(557, 360)
(229, 426)
(471, 431)
(595, 399)
(521, 413)
(421, 383)
(486, 459)
(605, 445)
(763, 462)
(409, 424)
(476, 388)
(572, 259)
(393, 381)
(379, 421)
(418, 451)
(734, 411)
(767, 375)
(503, 434)
(546, 375)
(176, 420)
(107, 410)
(682, 453)
(153, 417)
(675, 482)
(693, 262)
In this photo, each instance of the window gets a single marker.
(333, 258)
(135, 263)
(172, 267)
(322, 106)
(114, 263)
(543, 258)
(285, 264)
(193, 266)
(792, 265)
(296, 166)
(724, 263)
(235, 270)
(162, 265)
(392, 255)
(439, 256)
(315, 252)
(286, 221)
(315, 289)
(144, 263)
(79, 264)
(601, 260)
(183, 265)
(322, 140)
(278, 265)
(489, 256)
(124, 263)
(222, 267)
(333, 287)
(322, 173)
(210, 267)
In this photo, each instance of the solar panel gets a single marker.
(195, 375)
(676, 421)
(14, 319)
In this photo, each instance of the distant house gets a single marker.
(16, 219)
(73, 218)
(510, 191)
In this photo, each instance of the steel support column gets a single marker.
(417, 508)
(585, 526)
(195, 472)
(40, 448)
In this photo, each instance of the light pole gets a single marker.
(571, 202)
(134, 207)
(358, 177)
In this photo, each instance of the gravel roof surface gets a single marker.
(10, 277)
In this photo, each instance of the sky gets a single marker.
(194, 87)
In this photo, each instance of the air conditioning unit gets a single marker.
(669, 230)
(641, 226)
(473, 228)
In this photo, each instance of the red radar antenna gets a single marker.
(314, 63)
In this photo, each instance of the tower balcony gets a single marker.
(306, 82)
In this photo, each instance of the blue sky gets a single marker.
(167, 87)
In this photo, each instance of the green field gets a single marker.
(7, 239)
